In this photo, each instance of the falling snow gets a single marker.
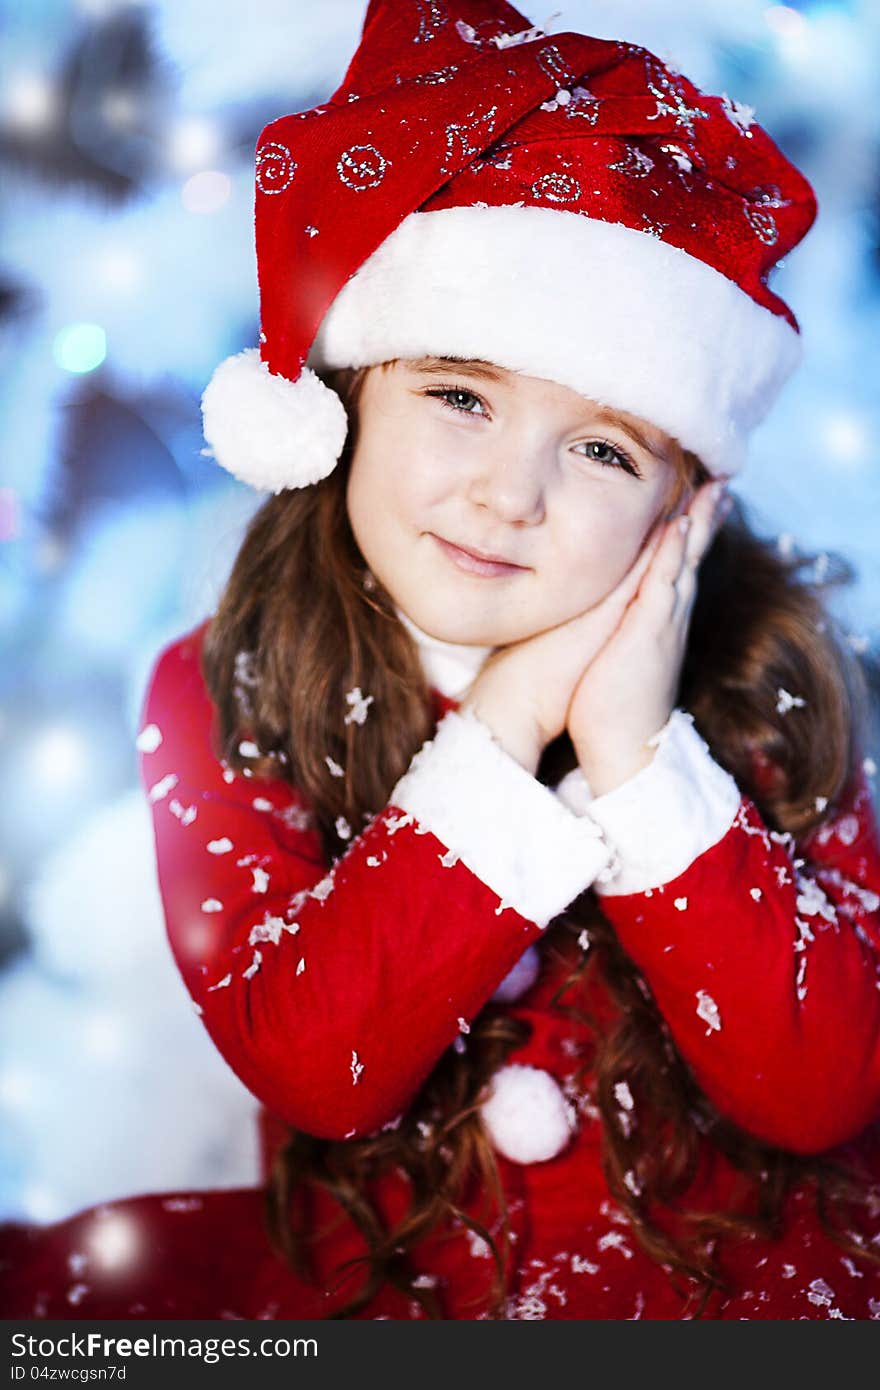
(149, 739)
(343, 829)
(623, 1095)
(356, 1069)
(221, 846)
(322, 890)
(301, 966)
(254, 966)
(359, 704)
(163, 787)
(227, 980)
(707, 1010)
(261, 881)
(269, 929)
(212, 905)
(335, 769)
(613, 1240)
(756, 894)
(786, 701)
(681, 904)
(820, 1293)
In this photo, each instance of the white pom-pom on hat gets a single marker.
(526, 1115)
(270, 432)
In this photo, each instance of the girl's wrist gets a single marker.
(517, 740)
(606, 772)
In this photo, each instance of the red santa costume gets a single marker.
(459, 146)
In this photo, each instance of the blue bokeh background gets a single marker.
(127, 272)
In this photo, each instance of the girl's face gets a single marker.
(452, 454)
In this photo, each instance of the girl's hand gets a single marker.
(627, 693)
(524, 690)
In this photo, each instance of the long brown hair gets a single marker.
(300, 621)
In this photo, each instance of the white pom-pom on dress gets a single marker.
(270, 432)
(526, 1115)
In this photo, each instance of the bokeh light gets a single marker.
(80, 347)
(206, 192)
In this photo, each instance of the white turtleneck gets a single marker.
(449, 666)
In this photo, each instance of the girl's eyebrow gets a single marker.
(638, 436)
(473, 366)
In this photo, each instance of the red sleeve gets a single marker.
(763, 956)
(331, 996)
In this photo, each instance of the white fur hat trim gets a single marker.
(268, 431)
(526, 1115)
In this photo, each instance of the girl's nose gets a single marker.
(510, 482)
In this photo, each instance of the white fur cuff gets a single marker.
(509, 829)
(663, 818)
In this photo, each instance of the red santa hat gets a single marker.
(566, 207)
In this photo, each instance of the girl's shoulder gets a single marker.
(178, 720)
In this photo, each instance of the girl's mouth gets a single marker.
(473, 564)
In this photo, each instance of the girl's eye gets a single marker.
(451, 397)
(610, 456)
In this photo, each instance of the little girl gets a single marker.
(530, 882)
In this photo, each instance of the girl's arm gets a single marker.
(332, 996)
(761, 953)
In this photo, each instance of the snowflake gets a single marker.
(680, 903)
(212, 905)
(261, 881)
(478, 1246)
(248, 749)
(185, 814)
(227, 980)
(786, 701)
(301, 966)
(148, 739)
(756, 894)
(358, 706)
(613, 1240)
(395, 823)
(269, 929)
(253, 967)
(463, 1025)
(335, 769)
(812, 900)
(450, 858)
(323, 889)
(623, 1095)
(356, 1069)
(523, 36)
(707, 1010)
(343, 829)
(221, 846)
(742, 116)
(584, 940)
(163, 787)
(820, 1293)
